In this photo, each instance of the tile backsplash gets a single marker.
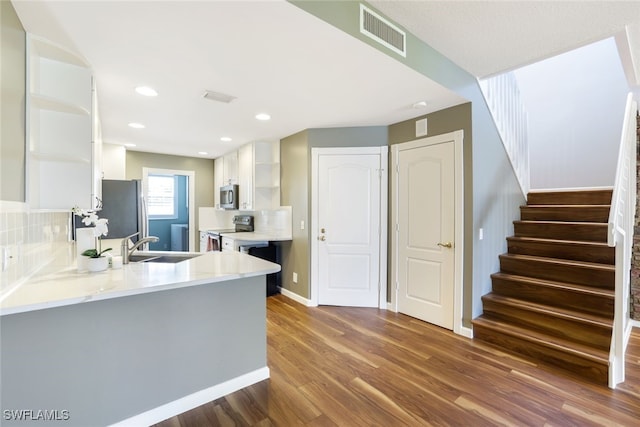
(27, 240)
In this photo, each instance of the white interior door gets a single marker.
(425, 189)
(348, 229)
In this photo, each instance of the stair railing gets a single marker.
(502, 95)
(620, 236)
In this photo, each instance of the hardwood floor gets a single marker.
(334, 366)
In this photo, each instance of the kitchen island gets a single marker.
(131, 346)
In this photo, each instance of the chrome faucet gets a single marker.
(126, 251)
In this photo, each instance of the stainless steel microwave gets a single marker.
(229, 196)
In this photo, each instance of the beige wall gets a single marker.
(12, 104)
(294, 188)
(295, 180)
(441, 122)
(203, 169)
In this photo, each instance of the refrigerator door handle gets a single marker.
(145, 217)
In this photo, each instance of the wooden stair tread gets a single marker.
(574, 287)
(552, 311)
(564, 206)
(566, 262)
(544, 340)
(564, 223)
(559, 241)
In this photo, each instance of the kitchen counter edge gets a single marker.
(37, 292)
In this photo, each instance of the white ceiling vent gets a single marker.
(217, 96)
(384, 32)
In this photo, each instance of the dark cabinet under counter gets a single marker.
(270, 252)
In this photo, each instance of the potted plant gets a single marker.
(96, 261)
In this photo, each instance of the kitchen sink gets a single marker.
(165, 258)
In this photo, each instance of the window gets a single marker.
(162, 197)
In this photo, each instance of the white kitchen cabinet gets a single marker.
(259, 175)
(61, 162)
(204, 241)
(245, 177)
(230, 169)
(218, 179)
(255, 167)
(227, 244)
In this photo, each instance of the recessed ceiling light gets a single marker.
(129, 145)
(263, 116)
(146, 91)
(226, 139)
(202, 153)
(136, 125)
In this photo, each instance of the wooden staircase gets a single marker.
(553, 298)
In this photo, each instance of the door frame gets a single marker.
(383, 151)
(457, 137)
(190, 197)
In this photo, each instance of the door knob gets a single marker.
(445, 245)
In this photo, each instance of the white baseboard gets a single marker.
(466, 332)
(297, 298)
(635, 323)
(194, 400)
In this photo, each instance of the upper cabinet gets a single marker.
(255, 167)
(61, 129)
(230, 168)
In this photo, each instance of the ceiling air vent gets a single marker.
(384, 32)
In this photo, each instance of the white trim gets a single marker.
(634, 323)
(194, 400)
(555, 190)
(383, 152)
(11, 206)
(458, 301)
(466, 332)
(193, 232)
(297, 298)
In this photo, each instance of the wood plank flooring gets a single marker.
(335, 366)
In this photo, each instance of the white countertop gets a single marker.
(60, 283)
(256, 236)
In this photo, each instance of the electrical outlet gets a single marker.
(480, 234)
(295, 277)
(302, 225)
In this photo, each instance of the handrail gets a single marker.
(620, 236)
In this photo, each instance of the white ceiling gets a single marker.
(278, 59)
(490, 37)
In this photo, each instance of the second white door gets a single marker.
(425, 196)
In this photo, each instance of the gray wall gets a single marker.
(12, 105)
(136, 160)
(107, 361)
(496, 194)
(441, 122)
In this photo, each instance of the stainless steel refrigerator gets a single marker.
(124, 206)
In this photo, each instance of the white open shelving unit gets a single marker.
(61, 128)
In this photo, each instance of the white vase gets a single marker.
(97, 264)
(84, 240)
